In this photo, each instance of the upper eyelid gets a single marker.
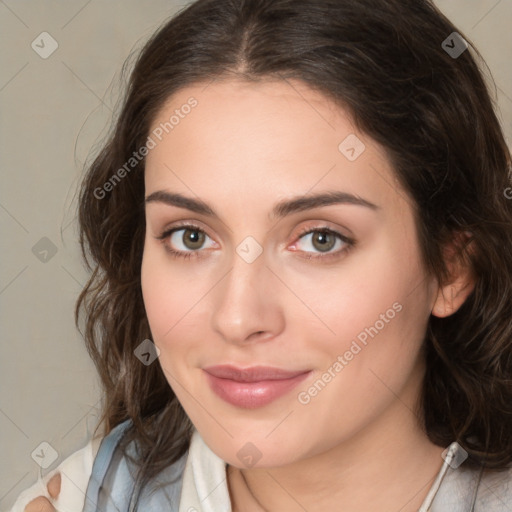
(324, 227)
(182, 224)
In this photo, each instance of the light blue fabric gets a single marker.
(101, 464)
(112, 481)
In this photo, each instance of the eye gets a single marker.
(192, 238)
(324, 240)
(188, 243)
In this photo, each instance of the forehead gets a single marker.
(276, 117)
(276, 138)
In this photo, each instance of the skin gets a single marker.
(244, 147)
(358, 444)
(41, 504)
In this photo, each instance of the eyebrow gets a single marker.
(281, 209)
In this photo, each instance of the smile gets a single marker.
(253, 387)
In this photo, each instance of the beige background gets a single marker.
(53, 111)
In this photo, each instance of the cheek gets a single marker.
(371, 359)
(158, 297)
(163, 309)
(371, 294)
(169, 293)
(377, 316)
(173, 300)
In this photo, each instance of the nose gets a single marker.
(246, 303)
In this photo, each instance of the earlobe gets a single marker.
(461, 282)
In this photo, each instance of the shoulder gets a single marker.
(469, 488)
(494, 493)
(75, 472)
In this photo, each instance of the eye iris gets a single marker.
(322, 237)
(196, 238)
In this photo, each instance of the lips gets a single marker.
(252, 387)
(252, 374)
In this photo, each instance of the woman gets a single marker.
(301, 255)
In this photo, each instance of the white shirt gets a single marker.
(205, 486)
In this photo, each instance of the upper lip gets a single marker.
(252, 374)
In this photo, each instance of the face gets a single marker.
(334, 292)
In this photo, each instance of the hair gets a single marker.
(383, 62)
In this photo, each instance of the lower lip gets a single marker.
(251, 395)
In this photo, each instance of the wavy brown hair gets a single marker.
(382, 61)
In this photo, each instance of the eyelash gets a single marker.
(350, 243)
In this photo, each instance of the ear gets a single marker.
(460, 282)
